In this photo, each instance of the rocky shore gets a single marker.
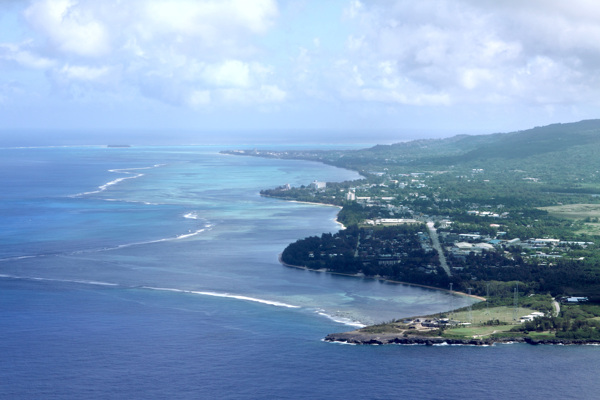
(380, 339)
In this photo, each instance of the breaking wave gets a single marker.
(127, 171)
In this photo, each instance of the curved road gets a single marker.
(556, 308)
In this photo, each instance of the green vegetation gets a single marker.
(574, 322)
(517, 209)
(400, 253)
(586, 215)
(534, 319)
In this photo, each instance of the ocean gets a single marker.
(152, 272)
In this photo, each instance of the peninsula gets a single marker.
(506, 216)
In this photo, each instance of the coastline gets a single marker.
(376, 335)
(380, 279)
(312, 203)
(356, 338)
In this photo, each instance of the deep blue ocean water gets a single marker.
(152, 272)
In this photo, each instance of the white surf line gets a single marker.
(341, 320)
(122, 246)
(225, 295)
(16, 258)
(99, 283)
(79, 281)
(104, 187)
(191, 215)
(117, 247)
(344, 321)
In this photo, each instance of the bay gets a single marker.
(152, 272)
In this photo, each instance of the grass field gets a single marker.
(503, 314)
(578, 212)
(575, 211)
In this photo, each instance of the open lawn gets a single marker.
(503, 314)
(574, 211)
(581, 212)
(541, 335)
(476, 329)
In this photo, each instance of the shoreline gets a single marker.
(379, 279)
(311, 203)
(359, 338)
(355, 337)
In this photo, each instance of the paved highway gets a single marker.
(436, 245)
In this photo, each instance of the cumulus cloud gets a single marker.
(83, 73)
(230, 73)
(20, 54)
(382, 54)
(199, 98)
(473, 50)
(69, 27)
(178, 52)
(209, 20)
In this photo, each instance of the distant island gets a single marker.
(506, 216)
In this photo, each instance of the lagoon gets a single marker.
(152, 272)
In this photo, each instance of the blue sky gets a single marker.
(338, 69)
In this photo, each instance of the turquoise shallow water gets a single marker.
(182, 218)
(166, 284)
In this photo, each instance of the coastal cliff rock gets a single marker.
(381, 339)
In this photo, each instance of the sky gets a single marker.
(331, 70)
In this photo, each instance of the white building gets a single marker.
(318, 185)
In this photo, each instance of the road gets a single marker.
(556, 308)
(436, 245)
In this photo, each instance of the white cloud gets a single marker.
(355, 43)
(202, 18)
(470, 51)
(377, 54)
(84, 73)
(177, 51)
(22, 56)
(223, 25)
(471, 78)
(70, 28)
(230, 73)
(354, 9)
(199, 98)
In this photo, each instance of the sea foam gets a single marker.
(111, 248)
(226, 295)
(78, 281)
(341, 320)
(203, 293)
(104, 187)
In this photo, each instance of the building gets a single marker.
(395, 221)
(318, 185)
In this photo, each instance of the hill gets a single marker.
(564, 148)
(560, 156)
(508, 207)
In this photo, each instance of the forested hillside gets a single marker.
(509, 207)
